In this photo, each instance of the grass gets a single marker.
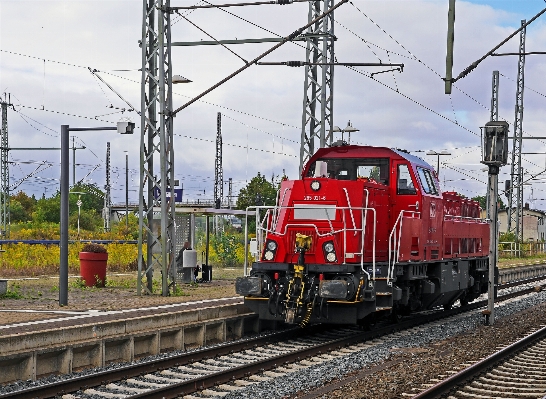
(14, 293)
(528, 260)
(23, 287)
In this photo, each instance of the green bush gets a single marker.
(34, 260)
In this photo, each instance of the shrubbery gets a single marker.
(37, 259)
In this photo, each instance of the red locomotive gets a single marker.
(365, 232)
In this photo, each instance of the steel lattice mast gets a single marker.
(156, 144)
(495, 97)
(218, 171)
(107, 197)
(515, 199)
(4, 166)
(494, 116)
(318, 99)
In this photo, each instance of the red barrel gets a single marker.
(93, 268)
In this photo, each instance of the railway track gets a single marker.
(516, 371)
(228, 367)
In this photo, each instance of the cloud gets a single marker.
(261, 107)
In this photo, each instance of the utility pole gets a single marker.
(515, 198)
(318, 90)
(4, 166)
(230, 192)
(218, 171)
(127, 191)
(74, 148)
(156, 141)
(450, 39)
(107, 198)
(73, 163)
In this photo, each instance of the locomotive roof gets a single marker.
(412, 158)
(358, 151)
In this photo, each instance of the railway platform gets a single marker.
(102, 326)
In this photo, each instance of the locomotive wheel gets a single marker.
(367, 323)
(396, 316)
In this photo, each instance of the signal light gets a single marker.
(321, 276)
(276, 275)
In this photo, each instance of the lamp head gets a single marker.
(126, 127)
(350, 128)
(180, 79)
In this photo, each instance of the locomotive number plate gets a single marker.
(377, 270)
(314, 198)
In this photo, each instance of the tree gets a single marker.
(225, 246)
(258, 192)
(89, 220)
(21, 207)
(482, 199)
(48, 209)
(93, 199)
(17, 212)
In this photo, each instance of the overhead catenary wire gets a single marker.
(415, 57)
(236, 145)
(25, 117)
(261, 56)
(475, 64)
(412, 100)
(259, 130)
(213, 38)
(138, 82)
(255, 3)
(526, 87)
(455, 120)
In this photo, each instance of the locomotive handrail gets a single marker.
(272, 225)
(397, 241)
(363, 237)
(350, 209)
(276, 215)
(466, 218)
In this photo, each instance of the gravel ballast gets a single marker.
(422, 354)
(426, 353)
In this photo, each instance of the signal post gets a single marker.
(494, 155)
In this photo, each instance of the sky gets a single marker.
(46, 48)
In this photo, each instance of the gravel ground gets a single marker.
(424, 355)
(40, 296)
(418, 356)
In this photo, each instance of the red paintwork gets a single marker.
(433, 227)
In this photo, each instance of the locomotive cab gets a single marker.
(366, 231)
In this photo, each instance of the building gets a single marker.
(534, 228)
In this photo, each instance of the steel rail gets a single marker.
(133, 370)
(172, 391)
(468, 374)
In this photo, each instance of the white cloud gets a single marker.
(406, 110)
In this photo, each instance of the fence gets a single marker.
(516, 249)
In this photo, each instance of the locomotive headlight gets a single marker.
(315, 185)
(270, 250)
(329, 251)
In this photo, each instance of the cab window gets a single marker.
(427, 181)
(404, 184)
